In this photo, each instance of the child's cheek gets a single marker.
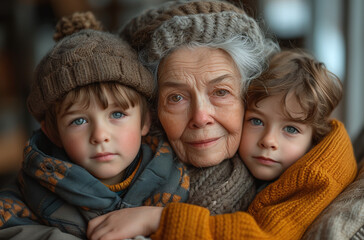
(75, 147)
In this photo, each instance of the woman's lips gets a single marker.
(265, 161)
(103, 157)
(203, 143)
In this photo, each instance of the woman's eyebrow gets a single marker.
(220, 79)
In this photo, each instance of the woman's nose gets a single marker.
(201, 114)
(99, 135)
(268, 140)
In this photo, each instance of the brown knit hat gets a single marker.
(85, 57)
(158, 31)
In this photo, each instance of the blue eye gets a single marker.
(79, 121)
(175, 98)
(291, 130)
(117, 115)
(256, 122)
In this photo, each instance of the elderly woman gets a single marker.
(203, 54)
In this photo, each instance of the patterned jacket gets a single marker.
(64, 195)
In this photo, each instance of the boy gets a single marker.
(89, 96)
(288, 110)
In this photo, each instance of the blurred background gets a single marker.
(332, 30)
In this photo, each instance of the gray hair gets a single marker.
(199, 23)
(250, 58)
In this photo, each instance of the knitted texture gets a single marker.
(224, 188)
(74, 23)
(284, 209)
(344, 217)
(160, 30)
(85, 57)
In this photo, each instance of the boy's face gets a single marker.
(270, 142)
(103, 141)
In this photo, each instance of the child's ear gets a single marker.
(51, 136)
(147, 124)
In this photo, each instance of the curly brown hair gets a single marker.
(316, 89)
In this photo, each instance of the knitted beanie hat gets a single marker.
(157, 31)
(83, 57)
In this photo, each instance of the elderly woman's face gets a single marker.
(200, 106)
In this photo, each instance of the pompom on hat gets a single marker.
(157, 31)
(83, 56)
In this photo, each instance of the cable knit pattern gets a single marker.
(284, 209)
(81, 57)
(156, 32)
(201, 28)
(140, 29)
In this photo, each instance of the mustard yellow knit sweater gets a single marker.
(284, 209)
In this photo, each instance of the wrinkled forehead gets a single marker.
(198, 64)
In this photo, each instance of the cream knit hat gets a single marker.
(157, 31)
(85, 57)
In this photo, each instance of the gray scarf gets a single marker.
(225, 188)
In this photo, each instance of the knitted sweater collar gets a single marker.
(124, 184)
